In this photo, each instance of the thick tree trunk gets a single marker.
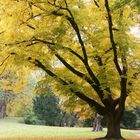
(113, 128)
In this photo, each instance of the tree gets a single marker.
(131, 119)
(16, 90)
(49, 108)
(84, 46)
(2, 108)
(46, 108)
(14, 85)
(97, 123)
(5, 97)
(5, 94)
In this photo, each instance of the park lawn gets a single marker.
(15, 130)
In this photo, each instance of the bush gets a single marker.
(30, 117)
(129, 120)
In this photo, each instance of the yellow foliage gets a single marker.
(36, 30)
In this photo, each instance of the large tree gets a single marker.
(85, 46)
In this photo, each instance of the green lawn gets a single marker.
(10, 127)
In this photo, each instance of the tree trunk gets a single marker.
(97, 123)
(113, 128)
(2, 108)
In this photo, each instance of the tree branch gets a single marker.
(74, 53)
(112, 38)
(96, 3)
(65, 48)
(76, 28)
(100, 63)
(73, 23)
(28, 25)
(4, 60)
(94, 84)
(91, 102)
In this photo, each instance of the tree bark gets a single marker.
(113, 128)
(97, 123)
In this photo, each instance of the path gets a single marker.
(137, 132)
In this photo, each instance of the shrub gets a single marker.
(30, 117)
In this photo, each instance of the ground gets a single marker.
(136, 132)
(15, 129)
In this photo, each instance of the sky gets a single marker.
(135, 30)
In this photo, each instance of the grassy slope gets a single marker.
(12, 128)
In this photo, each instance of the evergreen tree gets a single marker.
(46, 107)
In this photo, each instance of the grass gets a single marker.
(12, 128)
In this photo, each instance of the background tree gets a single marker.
(16, 90)
(22, 100)
(46, 108)
(5, 97)
(97, 123)
(85, 47)
(131, 119)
